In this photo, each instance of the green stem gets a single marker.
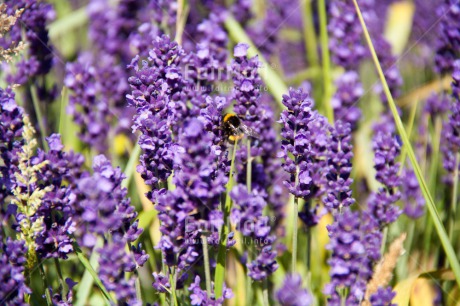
(450, 253)
(38, 112)
(327, 79)
(207, 270)
(265, 293)
(62, 111)
(384, 240)
(84, 261)
(433, 188)
(173, 280)
(219, 275)
(131, 165)
(249, 167)
(271, 79)
(294, 234)
(61, 279)
(311, 44)
(453, 201)
(46, 285)
(309, 229)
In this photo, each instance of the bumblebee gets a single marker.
(234, 129)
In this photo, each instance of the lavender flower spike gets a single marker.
(339, 168)
(292, 293)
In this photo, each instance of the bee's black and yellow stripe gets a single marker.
(231, 124)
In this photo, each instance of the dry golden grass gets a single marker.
(384, 270)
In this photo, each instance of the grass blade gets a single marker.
(84, 261)
(448, 249)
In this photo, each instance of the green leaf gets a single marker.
(448, 249)
(84, 261)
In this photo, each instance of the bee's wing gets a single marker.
(235, 130)
(248, 131)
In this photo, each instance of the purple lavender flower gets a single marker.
(101, 204)
(387, 148)
(199, 296)
(350, 265)
(345, 33)
(247, 212)
(241, 9)
(66, 300)
(11, 125)
(412, 196)
(158, 85)
(349, 91)
(391, 71)
(12, 265)
(113, 263)
(33, 21)
(246, 89)
(383, 297)
(450, 135)
(303, 136)
(90, 113)
(208, 64)
(449, 36)
(292, 294)
(61, 173)
(339, 168)
(297, 141)
(124, 19)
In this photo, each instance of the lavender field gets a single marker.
(237, 152)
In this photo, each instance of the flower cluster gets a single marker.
(350, 266)
(292, 293)
(451, 138)
(412, 195)
(33, 23)
(448, 42)
(349, 91)
(11, 128)
(345, 35)
(12, 265)
(90, 113)
(248, 214)
(304, 138)
(382, 204)
(246, 88)
(101, 207)
(340, 153)
(199, 296)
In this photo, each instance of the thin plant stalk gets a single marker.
(38, 112)
(219, 276)
(62, 111)
(450, 253)
(310, 40)
(327, 79)
(131, 165)
(61, 279)
(49, 302)
(453, 203)
(207, 270)
(265, 293)
(249, 167)
(295, 234)
(432, 185)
